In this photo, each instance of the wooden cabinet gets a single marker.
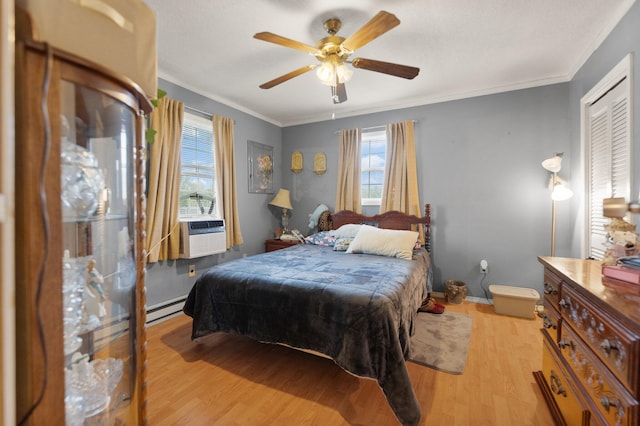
(79, 250)
(591, 347)
(272, 245)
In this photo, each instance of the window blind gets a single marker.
(609, 160)
(197, 183)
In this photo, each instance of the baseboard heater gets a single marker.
(164, 311)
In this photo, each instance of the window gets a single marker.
(608, 145)
(197, 175)
(372, 157)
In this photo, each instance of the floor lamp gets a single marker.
(559, 192)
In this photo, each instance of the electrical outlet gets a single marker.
(192, 270)
(484, 266)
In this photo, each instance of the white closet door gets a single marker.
(609, 160)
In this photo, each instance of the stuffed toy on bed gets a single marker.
(315, 216)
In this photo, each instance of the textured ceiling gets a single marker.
(463, 48)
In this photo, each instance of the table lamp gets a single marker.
(283, 200)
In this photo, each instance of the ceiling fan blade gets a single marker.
(378, 25)
(286, 42)
(288, 76)
(397, 70)
(339, 93)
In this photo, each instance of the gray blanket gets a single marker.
(358, 309)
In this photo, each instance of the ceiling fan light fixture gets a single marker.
(344, 73)
(326, 74)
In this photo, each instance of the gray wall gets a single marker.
(478, 165)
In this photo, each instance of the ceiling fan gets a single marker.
(333, 53)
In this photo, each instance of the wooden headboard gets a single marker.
(388, 220)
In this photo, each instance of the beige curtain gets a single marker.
(400, 188)
(226, 177)
(348, 191)
(163, 232)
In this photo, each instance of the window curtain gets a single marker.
(163, 232)
(226, 177)
(400, 188)
(348, 191)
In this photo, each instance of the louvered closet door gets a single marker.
(609, 159)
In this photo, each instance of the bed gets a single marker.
(354, 307)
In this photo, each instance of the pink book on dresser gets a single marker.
(621, 273)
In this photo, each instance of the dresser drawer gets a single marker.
(611, 403)
(551, 320)
(551, 288)
(566, 395)
(614, 344)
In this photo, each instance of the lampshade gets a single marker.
(344, 73)
(326, 74)
(614, 207)
(561, 192)
(282, 199)
(553, 164)
(328, 70)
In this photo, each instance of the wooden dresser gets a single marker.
(591, 346)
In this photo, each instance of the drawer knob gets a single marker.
(564, 344)
(607, 346)
(563, 304)
(547, 322)
(549, 289)
(608, 403)
(556, 386)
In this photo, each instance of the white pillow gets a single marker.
(350, 230)
(384, 242)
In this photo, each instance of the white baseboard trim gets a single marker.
(164, 311)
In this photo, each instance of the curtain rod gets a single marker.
(380, 126)
(192, 109)
(199, 111)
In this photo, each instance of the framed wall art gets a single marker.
(260, 165)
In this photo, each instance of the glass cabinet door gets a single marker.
(97, 166)
(79, 246)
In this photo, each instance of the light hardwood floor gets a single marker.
(232, 380)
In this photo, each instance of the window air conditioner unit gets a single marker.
(202, 237)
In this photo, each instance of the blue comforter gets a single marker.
(358, 309)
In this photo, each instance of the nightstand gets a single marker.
(272, 245)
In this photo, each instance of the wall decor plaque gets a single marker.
(320, 163)
(296, 162)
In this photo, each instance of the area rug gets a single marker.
(441, 341)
